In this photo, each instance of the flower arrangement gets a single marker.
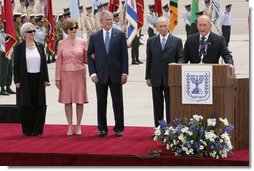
(195, 137)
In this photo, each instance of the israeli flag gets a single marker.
(131, 16)
(216, 11)
(74, 10)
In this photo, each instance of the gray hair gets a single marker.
(26, 27)
(105, 12)
(161, 18)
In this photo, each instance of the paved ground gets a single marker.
(137, 96)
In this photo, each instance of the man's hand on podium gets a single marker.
(232, 69)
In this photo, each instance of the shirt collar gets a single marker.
(166, 37)
(206, 36)
(104, 31)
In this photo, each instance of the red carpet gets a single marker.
(55, 148)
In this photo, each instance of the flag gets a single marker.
(113, 5)
(131, 16)
(140, 13)
(9, 27)
(158, 7)
(51, 28)
(194, 9)
(74, 10)
(173, 14)
(216, 11)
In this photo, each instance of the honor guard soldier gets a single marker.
(186, 18)
(41, 32)
(122, 12)
(95, 5)
(166, 12)
(32, 19)
(13, 5)
(17, 25)
(81, 20)
(40, 7)
(208, 8)
(97, 18)
(194, 28)
(151, 21)
(105, 6)
(89, 22)
(116, 19)
(24, 19)
(226, 23)
(31, 8)
(22, 8)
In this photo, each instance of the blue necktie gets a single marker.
(107, 40)
(163, 43)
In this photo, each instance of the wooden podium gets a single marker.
(223, 94)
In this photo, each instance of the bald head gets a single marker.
(204, 25)
(162, 25)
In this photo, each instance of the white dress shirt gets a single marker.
(165, 37)
(33, 60)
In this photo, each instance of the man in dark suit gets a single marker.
(206, 46)
(108, 67)
(161, 50)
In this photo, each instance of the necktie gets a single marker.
(202, 46)
(163, 43)
(107, 40)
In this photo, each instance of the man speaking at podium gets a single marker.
(206, 46)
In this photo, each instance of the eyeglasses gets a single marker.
(72, 28)
(31, 31)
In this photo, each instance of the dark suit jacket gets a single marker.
(112, 65)
(157, 60)
(21, 76)
(216, 48)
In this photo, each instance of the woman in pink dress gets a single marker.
(71, 73)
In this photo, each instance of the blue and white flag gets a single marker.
(216, 11)
(74, 10)
(131, 16)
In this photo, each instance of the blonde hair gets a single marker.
(69, 23)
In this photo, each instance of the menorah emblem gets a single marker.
(197, 80)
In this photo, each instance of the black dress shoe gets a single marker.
(134, 63)
(118, 133)
(4, 93)
(102, 133)
(138, 61)
(9, 90)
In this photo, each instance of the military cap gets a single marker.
(31, 15)
(228, 5)
(23, 16)
(17, 14)
(207, 1)
(199, 13)
(39, 17)
(100, 6)
(115, 14)
(105, 4)
(80, 7)
(89, 7)
(188, 6)
(123, 2)
(151, 5)
(165, 6)
(66, 13)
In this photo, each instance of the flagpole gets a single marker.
(217, 28)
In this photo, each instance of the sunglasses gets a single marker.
(72, 28)
(31, 31)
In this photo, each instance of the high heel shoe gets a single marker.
(70, 132)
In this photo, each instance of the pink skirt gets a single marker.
(73, 87)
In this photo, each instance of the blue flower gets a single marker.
(213, 115)
(175, 122)
(163, 124)
(229, 128)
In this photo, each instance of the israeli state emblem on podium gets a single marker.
(197, 86)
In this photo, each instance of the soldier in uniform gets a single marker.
(122, 16)
(151, 21)
(17, 25)
(32, 19)
(13, 5)
(41, 31)
(116, 19)
(89, 22)
(208, 8)
(22, 7)
(166, 12)
(97, 18)
(95, 5)
(40, 7)
(186, 19)
(81, 21)
(5, 65)
(24, 19)
(105, 6)
(226, 23)
(194, 28)
(58, 32)
(31, 8)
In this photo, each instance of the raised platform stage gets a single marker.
(55, 148)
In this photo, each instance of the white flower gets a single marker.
(190, 133)
(158, 130)
(197, 117)
(167, 132)
(181, 138)
(185, 129)
(184, 148)
(210, 136)
(201, 147)
(191, 141)
(211, 122)
(224, 121)
(167, 147)
(174, 141)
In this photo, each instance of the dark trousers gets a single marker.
(33, 117)
(5, 70)
(159, 94)
(135, 49)
(150, 32)
(226, 33)
(117, 100)
(187, 29)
